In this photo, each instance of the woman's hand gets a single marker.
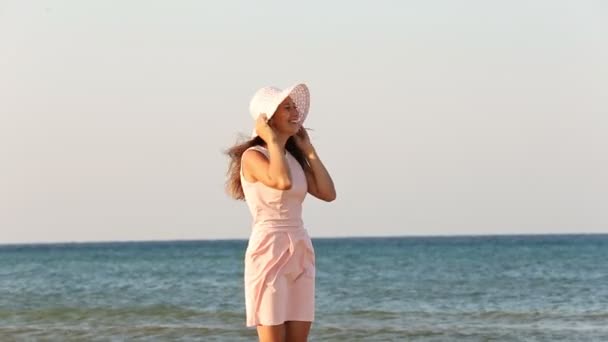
(263, 129)
(302, 140)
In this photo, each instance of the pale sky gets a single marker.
(433, 117)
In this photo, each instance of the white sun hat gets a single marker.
(267, 99)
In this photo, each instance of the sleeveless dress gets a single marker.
(279, 275)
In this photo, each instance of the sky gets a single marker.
(432, 117)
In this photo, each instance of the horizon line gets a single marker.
(414, 236)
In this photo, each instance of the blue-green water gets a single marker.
(484, 288)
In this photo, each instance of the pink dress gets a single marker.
(280, 259)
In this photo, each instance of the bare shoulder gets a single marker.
(253, 160)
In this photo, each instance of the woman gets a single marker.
(273, 172)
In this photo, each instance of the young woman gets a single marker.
(273, 172)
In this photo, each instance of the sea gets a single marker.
(441, 288)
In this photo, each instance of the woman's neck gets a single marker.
(282, 140)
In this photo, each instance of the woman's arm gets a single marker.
(274, 170)
(319, 181)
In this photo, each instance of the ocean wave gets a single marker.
(160, 312)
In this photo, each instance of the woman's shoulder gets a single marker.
(258, 148)
(247, 153)
(248, 160)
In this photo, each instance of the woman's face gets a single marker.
(286, 119)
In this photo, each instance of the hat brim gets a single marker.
(300, 95)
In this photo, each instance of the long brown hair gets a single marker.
(234, 187)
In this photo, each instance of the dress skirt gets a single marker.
(279, 276)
